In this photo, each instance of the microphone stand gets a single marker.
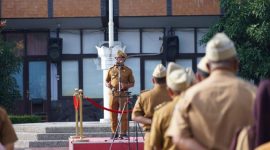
(119, 94)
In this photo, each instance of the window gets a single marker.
(133, 64)
(130, 39)
(186, 40)
(19, 80)
(54, 82)
(200, 34)
(152, 41)
(18, 38)
(70, 77)
(37, 80)
(149, 67)
(92, 79)
(71, 41)
(91, 39)
(37, 43)
(184, 62)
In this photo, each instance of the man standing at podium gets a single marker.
(119, 79)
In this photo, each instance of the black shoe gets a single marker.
(114, 135)
(123, 136)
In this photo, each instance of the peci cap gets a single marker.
(220, 47)
(177, 78)
(191, 76)
(202, 65)
(121, 54)
(160, 71)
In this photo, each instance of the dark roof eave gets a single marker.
(168, 21)
(53, 23)
(124, 22)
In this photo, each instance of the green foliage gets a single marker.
(9, 64)
(247, 23)
(24, 119)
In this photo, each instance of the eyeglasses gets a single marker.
(119, 57)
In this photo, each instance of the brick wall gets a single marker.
(91, 8)
(195, 7)
(142, 7)
(24, 8)
(76, 8)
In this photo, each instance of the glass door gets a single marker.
(37, 92)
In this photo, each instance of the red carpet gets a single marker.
(105, 143)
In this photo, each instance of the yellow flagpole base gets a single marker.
(75, 137)
(81, 139)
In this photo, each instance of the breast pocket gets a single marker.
(114, 75)
(124, 76)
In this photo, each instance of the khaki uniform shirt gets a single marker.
(148, 100)
(126, 76)
(212, 111)
(7, 133)
(160, 124)
(265, 146)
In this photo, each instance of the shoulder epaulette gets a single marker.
(126, 67)
(111, 67)
(160, 105)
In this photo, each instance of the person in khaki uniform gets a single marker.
(144, 108)
(7, 133)
(211, 111)
(118, 97)
(178, 80)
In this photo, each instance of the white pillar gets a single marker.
(106, 116)
(111, 24)
(107, 61)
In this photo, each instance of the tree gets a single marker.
(247, 23)
(9, 64)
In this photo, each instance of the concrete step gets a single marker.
(85, 129)
(49, 143)
(69, 127)
(29, 129)
(38, 135)
(24, 144)
(27, 136)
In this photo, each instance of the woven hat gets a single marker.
(202, 65)
(177, 77)
(121, 54)
(160, 71)
(191, 76)
(220, 47)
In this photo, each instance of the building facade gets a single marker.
(83, 24)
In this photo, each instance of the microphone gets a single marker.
(119, 65)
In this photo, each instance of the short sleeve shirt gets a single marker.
(125, 73)
(148, 100)
(160, 124)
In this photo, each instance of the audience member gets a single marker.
(144, 108)
(212, 110)
(178, 80)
